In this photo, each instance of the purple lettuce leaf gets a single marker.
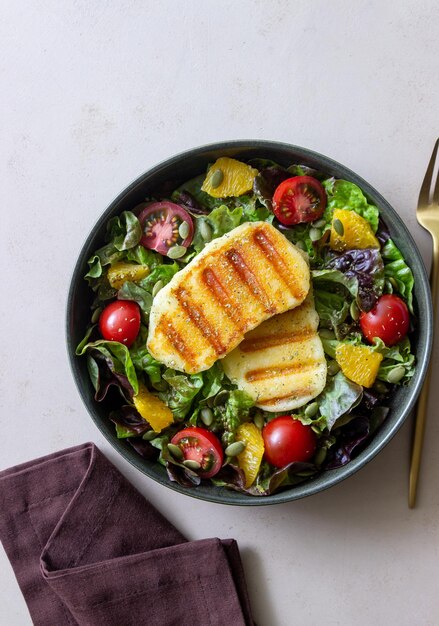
(233, 477)
(144, 448)
(181, 475)
(188, 202)
(266, 182)
(366, 265)
(383, 233)
(104, 375)
(353, 437)
(129, 418)
(350, 439)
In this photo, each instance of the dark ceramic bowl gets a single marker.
(177, 170)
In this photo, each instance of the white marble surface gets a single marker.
(92, 94)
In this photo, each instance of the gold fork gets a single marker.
(428, 216)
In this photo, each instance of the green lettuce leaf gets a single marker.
(396, 356)
(339, 396)
(253, 210)
(397, 269)
(193, 186)
(331, 307)
(223, 219)
(220, 221)
(213, 380)
(345, 195)
(104, 256)
(123, 235)
(131, 291)
(163, 272)
(238, 406)
(118, 354)
(143, 256)
(181, 392)
(323, 278)
(144, 362)
(124, 231)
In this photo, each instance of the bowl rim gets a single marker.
(307, 488)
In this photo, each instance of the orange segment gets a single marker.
(121, 272)
(358, 363)
(229, 177)
(355, 232)
(250, 459)
(152, 409)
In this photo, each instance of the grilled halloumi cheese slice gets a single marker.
(281, 363)
(235, 283)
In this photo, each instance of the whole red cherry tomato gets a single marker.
(287, 440)
(120, 321)
(389, 320)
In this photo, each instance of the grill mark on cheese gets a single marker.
(223, 298)
(270, 341)
(296, 394)
(199, 319)
(282, 369)
(171, 333)
(249, 279)
(272, 255)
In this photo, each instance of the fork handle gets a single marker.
(421, 409)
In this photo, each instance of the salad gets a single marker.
(202, 426)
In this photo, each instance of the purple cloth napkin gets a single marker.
(87, 548)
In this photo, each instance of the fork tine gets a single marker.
(436, 187)
(424, 194)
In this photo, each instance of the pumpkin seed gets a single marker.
(205, 230)
(354, 311)
(325, 333)
(315, 234)
(380, 386)
(235, 448)
(183, 230)
(312, 409)
(221, 397)
(319, 223)
(305, 474)
(333, 368)
(393, 282)
(300, 245)
(158, 285)
(320, 456)
(149, 435)
(176, 252)
(176, 451)
(338, 227)
(388, 287)
(217, 178)
(193, 465)
(259, 421)
(96, 315)
(206, 415)
(395, 375)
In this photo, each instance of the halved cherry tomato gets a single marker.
(160, 223)
(120, 321)
(299, 199)
(287, 440)
(199, 444)
(389, 320)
